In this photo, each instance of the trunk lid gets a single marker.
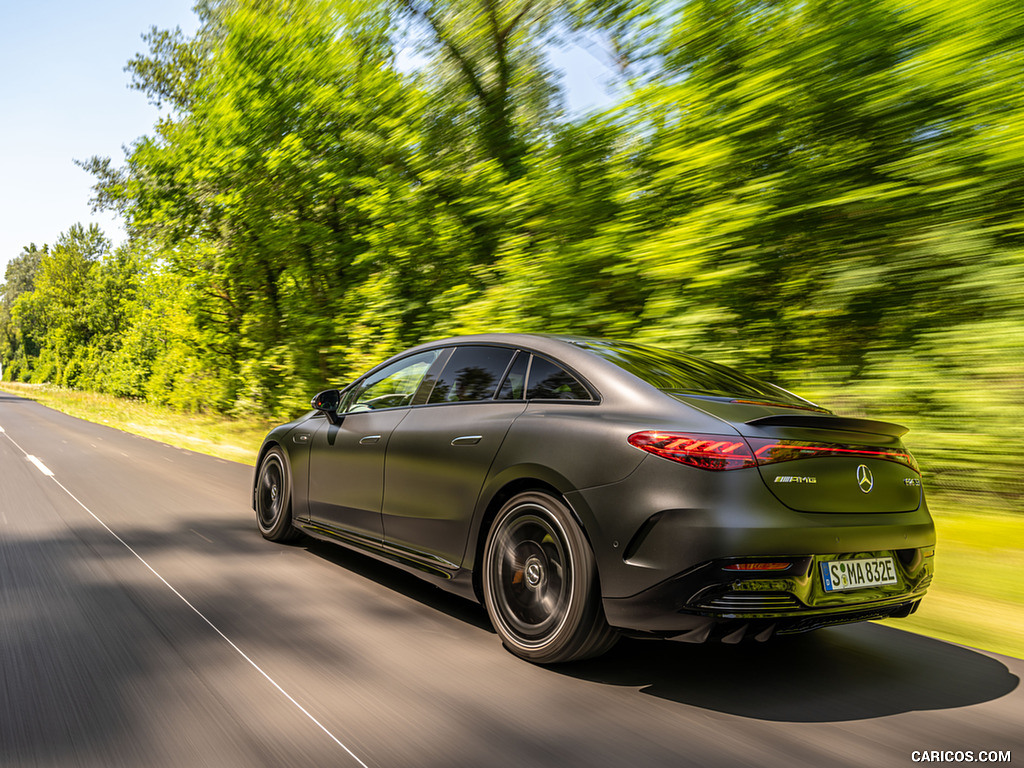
(819, 462)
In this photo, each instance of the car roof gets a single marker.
(609, 379)
(556, 345)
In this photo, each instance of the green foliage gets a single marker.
(17, 349)
(56, 315)
(489, 67)
(827, 194)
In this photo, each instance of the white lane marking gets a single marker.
(195, 610)
(1, 430)
(39, 465)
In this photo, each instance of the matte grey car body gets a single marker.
(582, 489)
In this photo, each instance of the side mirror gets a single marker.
(328, 403)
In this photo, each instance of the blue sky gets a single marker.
(64, 95)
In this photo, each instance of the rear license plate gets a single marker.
(841, 575)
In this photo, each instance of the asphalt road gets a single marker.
(145, 622)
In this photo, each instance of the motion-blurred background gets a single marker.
(829, 195)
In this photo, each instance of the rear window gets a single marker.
(549, 381)
(682, 374)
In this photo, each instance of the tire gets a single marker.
(274, 498)
(540, 583)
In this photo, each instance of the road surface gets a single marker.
(145, 622)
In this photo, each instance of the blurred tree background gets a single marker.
(829, 195)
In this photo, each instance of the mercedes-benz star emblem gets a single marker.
(865, 479)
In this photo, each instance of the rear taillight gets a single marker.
(769, 451)
(715, 452)
(725, 452)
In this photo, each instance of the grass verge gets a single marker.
(977, 598)
(228, 438)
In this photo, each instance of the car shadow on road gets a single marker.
(854, 672)
(397, 580)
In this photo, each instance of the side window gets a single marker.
(551, 382)
(390, 387)
(472, 373)
(514, 385)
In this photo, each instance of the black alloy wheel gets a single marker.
(540, 583)
(273, 498)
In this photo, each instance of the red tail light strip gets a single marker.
(726, 452)
(769, 451)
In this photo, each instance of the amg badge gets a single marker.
(795, 479)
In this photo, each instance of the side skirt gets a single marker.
(431, 568)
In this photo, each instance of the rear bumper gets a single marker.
(666, 519)
(662, 535)
(708, 602)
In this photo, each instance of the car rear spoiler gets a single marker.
(831, 422)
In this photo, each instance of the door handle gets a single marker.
(467, 440)
(369, 439)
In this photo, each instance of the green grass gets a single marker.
(977, 598)
(228, 438)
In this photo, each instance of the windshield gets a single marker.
(674, 372)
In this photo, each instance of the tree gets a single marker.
(17, 350)
(55, 313)
(489, 64)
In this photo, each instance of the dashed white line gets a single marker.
(39, 465)
(42, 468)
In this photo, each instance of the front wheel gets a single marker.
(540, 583)
(274, 498)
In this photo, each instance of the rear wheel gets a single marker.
(540, 583)
(274, 498)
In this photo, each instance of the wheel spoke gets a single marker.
(547, 604)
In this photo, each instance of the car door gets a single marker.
(346, 459)
(439, 456)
